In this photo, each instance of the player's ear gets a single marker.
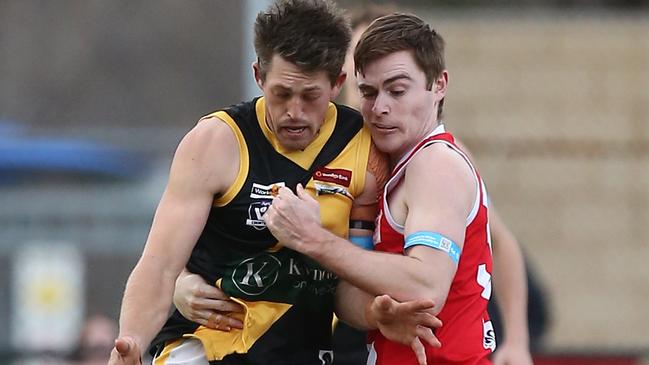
(258, 73)
(440, 85)
(338, 84)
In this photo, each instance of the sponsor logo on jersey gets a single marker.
(325, 189)
(337, 176)
(255, 275)
(256, 211)
(484, 280)
(326, 357)
(260, 191)
(489, 336)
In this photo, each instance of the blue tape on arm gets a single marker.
(362, 242)
(434, 240)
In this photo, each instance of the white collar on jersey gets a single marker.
(438, 130)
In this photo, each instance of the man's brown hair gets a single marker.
(365, 14)
(312, 34)
(402, 32)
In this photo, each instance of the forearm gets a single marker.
(351, 303)
(511, 288)
(402, 277)
(146, 303)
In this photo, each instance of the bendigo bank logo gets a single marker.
(255, 275)
(337, 176)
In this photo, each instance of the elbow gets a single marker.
(439, 299)
(436, 296)
(436, 293)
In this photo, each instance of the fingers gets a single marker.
(209, 292)
(123, 346)
(428, 320)
(233, 322)
(284, 193)
(215, 321)
(303, 195)
(199, 311)
(216, 305)
(419, 350)
(384, 302)
(428, 336)
(127, 350)
(126, 346)
(221, 322)
(419, 305)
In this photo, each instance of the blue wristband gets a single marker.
(365, 242)
(436, 241)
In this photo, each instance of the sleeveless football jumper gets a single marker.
(288, 297)
(467, 334)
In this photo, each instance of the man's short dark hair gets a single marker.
(402, 32)
(312, 34)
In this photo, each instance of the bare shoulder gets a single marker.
(439, 171)
(209, 135)
(208, 153)
(441, 161)
(465, 149)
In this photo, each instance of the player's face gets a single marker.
(296, 102)
(396, 103)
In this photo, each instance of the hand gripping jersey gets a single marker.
(467, 335)
(288, 297)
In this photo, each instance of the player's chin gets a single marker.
(296, 140)
(386, 144)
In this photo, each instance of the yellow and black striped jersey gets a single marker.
(288, 297)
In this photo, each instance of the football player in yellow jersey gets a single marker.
(209, 218)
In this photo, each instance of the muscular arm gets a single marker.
(195, 177)
(437, 196)
(350, 300)
(407, 323)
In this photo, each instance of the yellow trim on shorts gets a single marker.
(166, 351)
(244, 160)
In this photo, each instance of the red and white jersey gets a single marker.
(467, 335)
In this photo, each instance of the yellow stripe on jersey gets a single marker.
(244, 161)
(363, 153)
(304, 158)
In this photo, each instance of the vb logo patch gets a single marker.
(256, 212)
(263, 195)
